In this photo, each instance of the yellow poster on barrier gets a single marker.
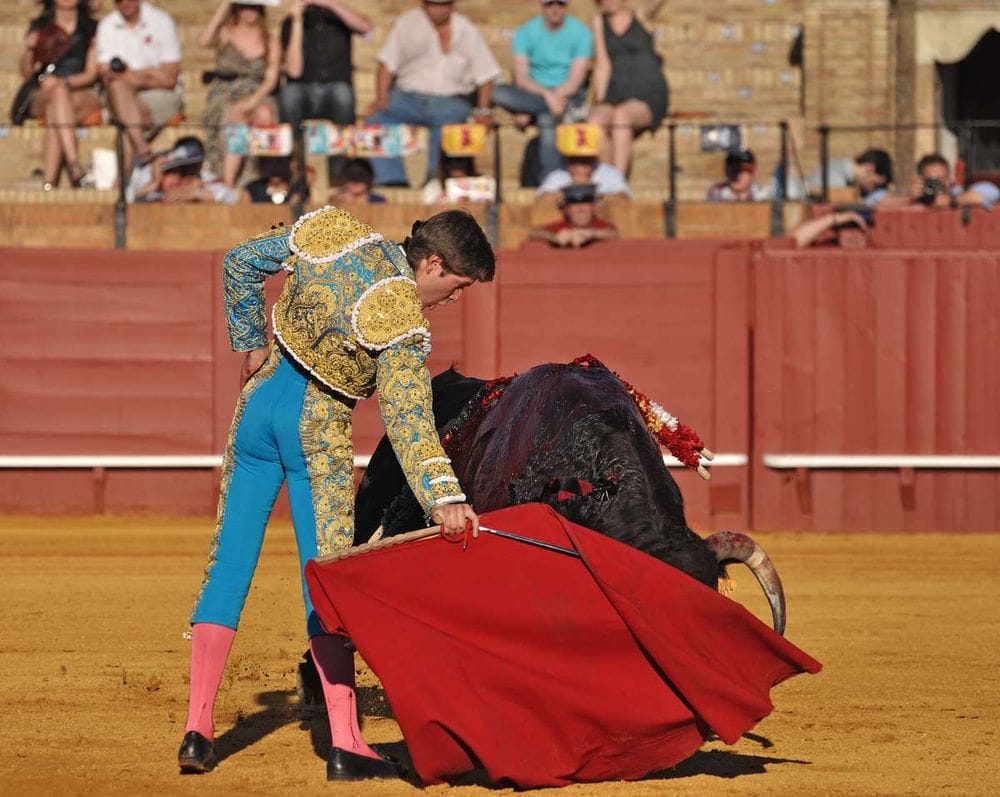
(578, 140)
(460, 141)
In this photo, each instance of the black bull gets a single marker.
(573, 438)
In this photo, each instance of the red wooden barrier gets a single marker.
(876, 352)
(126, 353)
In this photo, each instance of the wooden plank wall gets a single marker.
(127, 353)
(876, 353)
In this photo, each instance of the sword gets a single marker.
(548, 546)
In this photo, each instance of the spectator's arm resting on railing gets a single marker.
(808, 231)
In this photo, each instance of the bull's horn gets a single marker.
(732, 546)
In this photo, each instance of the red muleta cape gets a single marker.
(545, 669)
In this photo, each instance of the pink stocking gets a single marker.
(336, 670)
(210, 645)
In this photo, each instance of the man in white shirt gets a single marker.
(432, 61)
(139, 58)
(582, 170)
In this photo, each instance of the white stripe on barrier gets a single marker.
(213, 461)
(127, 461)
(849, 461)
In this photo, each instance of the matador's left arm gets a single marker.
(244, 270)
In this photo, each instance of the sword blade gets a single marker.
(529, 541)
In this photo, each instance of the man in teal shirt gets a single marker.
(552, 54)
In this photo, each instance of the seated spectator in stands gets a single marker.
(139, 58)
(458, 181)
(60, 46)
(178, 175)
(278, 182)
(580, 224)
(432, 60)
(580, 170)
(870, 172)
(847, 228)
(353, 184)
(552, 54)
(630, 90)
(247, 68)
(739, 186)
(317, 39)
(934, 187)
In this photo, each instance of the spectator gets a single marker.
(739, 185)
(580, 224)
(317, 39)
(933, 186)
(458, 181)
(178, 175)
(278, 182)
(870, 172)
(629, 87)
(583, 169)
(61, 39)
(139, 58)
(432, 60)
(552, 53)
(247, 67)
(354, 184)
(849, 227)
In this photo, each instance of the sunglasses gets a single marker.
(555, 2)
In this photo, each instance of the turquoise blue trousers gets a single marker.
(287, 428)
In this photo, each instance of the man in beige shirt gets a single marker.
(431, 63)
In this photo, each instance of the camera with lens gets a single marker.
(118, 65)
(931, 188)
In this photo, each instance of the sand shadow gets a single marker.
(721, 764)
(280, 709)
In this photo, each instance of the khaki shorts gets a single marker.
(162, 103)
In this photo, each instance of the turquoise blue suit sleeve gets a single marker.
(404, 389)
(244, 270)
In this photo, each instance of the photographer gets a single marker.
(934, 187)
(139, 58)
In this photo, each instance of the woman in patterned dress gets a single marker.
(248, 64)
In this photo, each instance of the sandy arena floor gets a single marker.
(93, 689)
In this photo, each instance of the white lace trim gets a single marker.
(288, 350)
(424, 331)
(444, 479)
(357, 244)
(436, 461)
(451, 499)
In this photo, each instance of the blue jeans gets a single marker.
(518, 100)
(412, 108)
(299, 100)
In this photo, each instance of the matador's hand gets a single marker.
(453, 519)
(252, 363)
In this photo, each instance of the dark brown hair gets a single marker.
(456, 237)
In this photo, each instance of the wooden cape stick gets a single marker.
(387, 542)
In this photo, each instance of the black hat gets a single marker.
(577, 193)
(187, 151)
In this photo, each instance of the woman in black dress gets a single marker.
(630, 90)
(60, 46)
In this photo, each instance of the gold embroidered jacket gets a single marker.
(350, 314)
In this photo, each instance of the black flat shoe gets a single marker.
(197, 754)
(344, 765)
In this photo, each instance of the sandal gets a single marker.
(76, 174)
